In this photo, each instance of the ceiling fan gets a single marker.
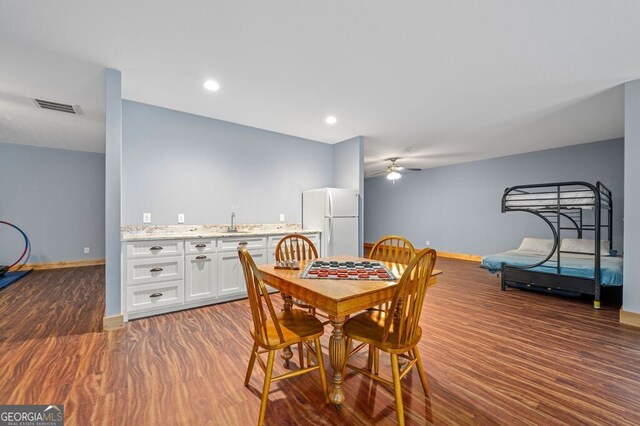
(394, 171)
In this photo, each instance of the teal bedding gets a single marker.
(575, 265)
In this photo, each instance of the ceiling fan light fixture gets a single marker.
(393, 176)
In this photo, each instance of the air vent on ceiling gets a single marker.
(57, 106)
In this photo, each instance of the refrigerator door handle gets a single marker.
(330, 204)
(330, 232)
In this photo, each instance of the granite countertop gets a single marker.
(166, 232)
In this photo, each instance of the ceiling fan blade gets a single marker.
(412, 169)
(378, 173)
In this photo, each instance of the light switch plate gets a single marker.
(180, 217)
(87, 250)
(281, 217)
(427, 243)
(146, 217)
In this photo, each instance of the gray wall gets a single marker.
(113, 177)
(348, 172)
(57, 198)
(346, 155)
(457, 208)
(174, 162)
(631, 287)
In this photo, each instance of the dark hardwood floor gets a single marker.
(491, 357)
(58, 302)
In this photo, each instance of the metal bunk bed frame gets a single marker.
(553, 215)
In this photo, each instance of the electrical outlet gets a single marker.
(427, 243)
(87, 250)
(146, 217)
(180, 217)
(281, 217)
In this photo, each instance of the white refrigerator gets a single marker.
(333, 211)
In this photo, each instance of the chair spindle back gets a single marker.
(259, 300)
(295, 247)
(406, 306)
(393, 248)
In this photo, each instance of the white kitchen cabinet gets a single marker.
(200, 277)
(148, 297)
(144, 271)
(231, 244)
(229, 271)
(162, 276)
(150, 249)
(200, 246)
(230, 275)
(153, 277)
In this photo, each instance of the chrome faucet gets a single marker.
(232, 228)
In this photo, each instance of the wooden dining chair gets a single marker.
(297, 247)
(396, 331)
(273, 331)
(395, 249)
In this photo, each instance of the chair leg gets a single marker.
(376, 361)
(423, 377)
(370, 359)
(265, 388)
(300, 355)
(395, 368)
(252, 361)
(323, 376)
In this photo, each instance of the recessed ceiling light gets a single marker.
(211, 85)
(331, 120)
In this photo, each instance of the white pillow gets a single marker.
(536, 245)
(573, 245)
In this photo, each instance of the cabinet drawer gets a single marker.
(150, 296)
(143, 271)
(158, 248)
(200, 246)
(231, 244)
(275, 239)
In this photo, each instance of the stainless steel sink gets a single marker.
(235, 231)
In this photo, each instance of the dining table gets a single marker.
(338, 298)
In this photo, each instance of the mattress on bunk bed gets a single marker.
(572, 264)
(584, 199)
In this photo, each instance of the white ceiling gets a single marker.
(455, 80)
(25, 73)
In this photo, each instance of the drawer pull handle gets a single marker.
(156, 270)
(156, 295)
(201, 245)
(155, 248)
(243, 243)
(200, 257)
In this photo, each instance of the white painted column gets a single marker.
(113, 178)
(631, 294)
